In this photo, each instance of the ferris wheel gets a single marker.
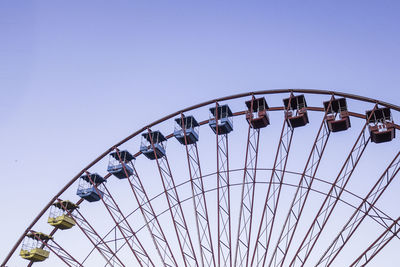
(287, 177)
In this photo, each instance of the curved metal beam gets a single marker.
(262, 92)
(373, 217)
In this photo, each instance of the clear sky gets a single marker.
(78, 76)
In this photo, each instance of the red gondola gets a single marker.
(337, 117)
(256, 114)
(296, 111)
(381, 125)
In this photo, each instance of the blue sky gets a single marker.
(78, 76)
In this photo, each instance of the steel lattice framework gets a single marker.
(223, 198)
(199, 202)
(266, 197)
(272, 197)
(247, 197)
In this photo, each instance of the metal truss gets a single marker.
(105, 246)
(247, 197)
(175, 208)
(102, 247)
(378, 244)
(199, 202)
(123, 226)
(294, 186)
(361, 212)
(272, 198)
(223, 195)
(59, 251)
(153, 225)
(332, 197)
(299, 200)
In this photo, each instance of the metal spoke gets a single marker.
(299, 200)
(153, 225)
(176, 211)
(123, 226)
(102, 247)
(331, 199)
(361, 212)
(59, 251)
(378, 244)
(247, 198)
(223, 195)
(199, 202)
(272, 197)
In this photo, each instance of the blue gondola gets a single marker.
(188, 125)
(151, 139)
(119, 164)
(87, 190)
(223, 117)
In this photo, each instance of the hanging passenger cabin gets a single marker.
(32, 247)
(90, 187)
(296, 111)
(221, 119)
(186, 126)
(59, 214)
(338, 108)
(118, 164)
(152, 145)
(381, 125)
(256, 113)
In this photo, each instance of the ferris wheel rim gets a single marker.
(193, 107)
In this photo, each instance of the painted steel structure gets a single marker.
(240, 235)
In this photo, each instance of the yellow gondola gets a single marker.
(59, 215)
(32, 247)
(61, 222)
(35, 254)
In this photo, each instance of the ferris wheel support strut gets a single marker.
(299, 200)
(333, 196)
(123, 226)
(361, 212)
(92, 235)
(59, 251)
(247, 196)
(223, 197)
(153, 225)
(272, 197)
(378, 244)
(199, 200)
(175, 208)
